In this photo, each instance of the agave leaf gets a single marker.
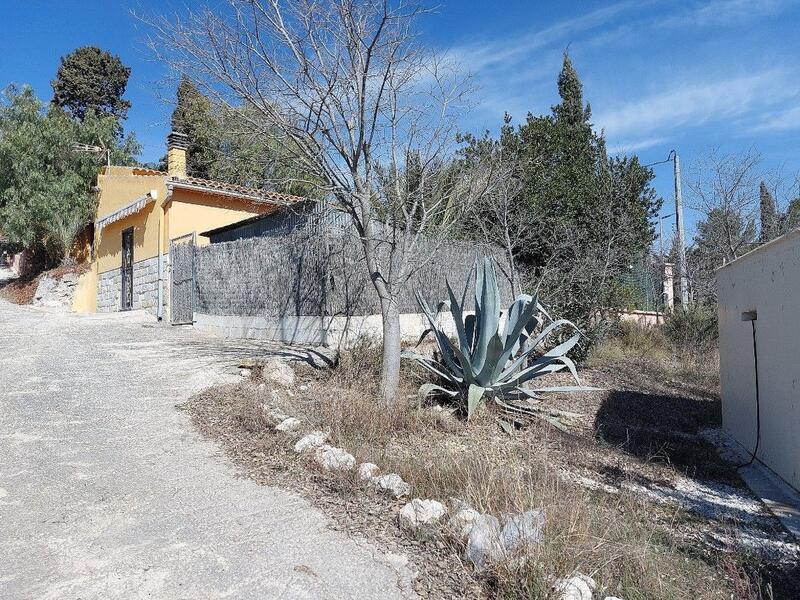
(553, 366)
(441, 338)
(553, 352)
(466, 366)
(434, 367)
(489, 317)
(565, 389)
(426, 389)
(514, 328)
(555, 422)
(469, 328)
(456, 310)
(494, 352)
(540, 408)
(506, 426)
(475, 397)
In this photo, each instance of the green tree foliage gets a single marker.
(192, 116)
(46, 193)
(231, 144)
(770, 219)
(91, 79)
(590, 213)
(791, 219)
(723, 236)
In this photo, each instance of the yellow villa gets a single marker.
(141, 213)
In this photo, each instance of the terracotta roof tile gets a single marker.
(221, 187)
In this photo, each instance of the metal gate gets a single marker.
(181, 294)
(127, 270)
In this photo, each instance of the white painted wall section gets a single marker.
(766, 280)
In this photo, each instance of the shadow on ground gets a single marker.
(664, 428)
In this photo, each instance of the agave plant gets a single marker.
(497, 355)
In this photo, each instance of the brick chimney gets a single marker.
(177, 143)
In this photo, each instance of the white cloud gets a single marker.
(783, 120)
(697, 103)
(632, 146)
(507, 52)
(725, 12)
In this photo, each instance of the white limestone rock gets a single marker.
(310, 441)
(522, 530)
(483, 545)
(334, 459)
(421, 514)
(577, 587)
(367, 471)
(279, 372)
(462, 520)
(289, 424)
(392, 484)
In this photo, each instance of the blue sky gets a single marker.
(691, 75)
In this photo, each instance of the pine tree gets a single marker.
(769, 215)
(91, 79)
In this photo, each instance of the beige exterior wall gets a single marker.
(118, 187)
(85, 298)
(195, 212)
(766, 280)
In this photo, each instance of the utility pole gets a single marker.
(682, 271)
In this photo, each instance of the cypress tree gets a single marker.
(192, 116)
(769, 214)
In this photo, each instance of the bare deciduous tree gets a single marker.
(725, 191)
(500, 215)
(354, 96)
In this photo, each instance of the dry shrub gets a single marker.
(637, 351)
(618, 539)
(345, 401)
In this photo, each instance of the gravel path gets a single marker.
(107, 492)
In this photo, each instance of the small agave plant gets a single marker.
(496, 358)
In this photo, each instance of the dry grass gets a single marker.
(648, 356)
(629, 545)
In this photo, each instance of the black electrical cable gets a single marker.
(758, 403)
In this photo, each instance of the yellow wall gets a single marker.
(184, 212)
(108, 244)
(191, 211)
(85, 298)
(119, 187)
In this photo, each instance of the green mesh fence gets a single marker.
(641, 287)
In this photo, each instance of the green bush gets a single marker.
(692, 328)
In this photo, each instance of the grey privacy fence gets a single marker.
(319, 273)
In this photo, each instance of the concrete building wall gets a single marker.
(767, 281)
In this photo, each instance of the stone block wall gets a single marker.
(145, 287)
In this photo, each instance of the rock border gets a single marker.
(487, 539)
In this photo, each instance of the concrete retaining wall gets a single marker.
(328, 331)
